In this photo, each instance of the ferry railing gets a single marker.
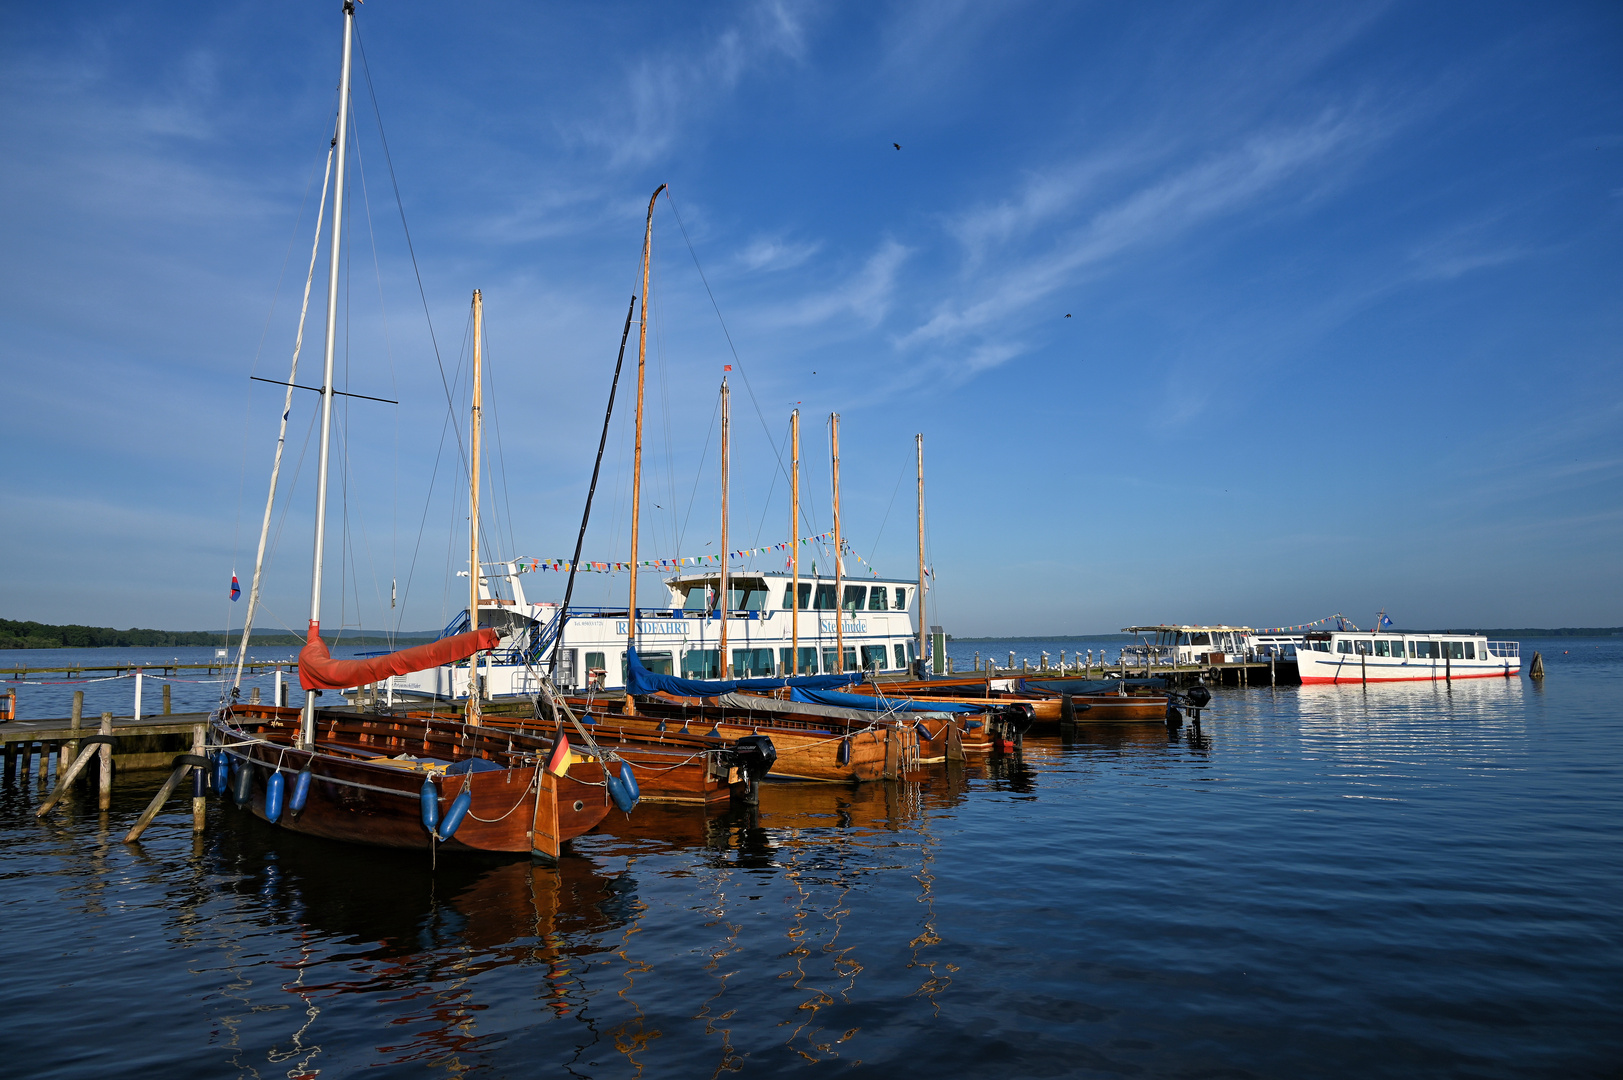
(1508, 649)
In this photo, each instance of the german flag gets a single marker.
(558, 760)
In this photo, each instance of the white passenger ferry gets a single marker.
(1343, 656)
(683, 637)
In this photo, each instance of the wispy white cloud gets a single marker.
(661, 92)
(866, 295)
(1156, 212)
(776, 253)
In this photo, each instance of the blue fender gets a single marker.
(222, 773)
(453, 816)
(242, 787)
(301, 792)
(429, 796)
(273, 796)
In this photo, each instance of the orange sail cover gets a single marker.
(319, 671)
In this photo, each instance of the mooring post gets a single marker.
(1363, 670)
(1448, 664)
(200, 803)
(47, 751)
(138, 681)
(977, 661)
(11, 760)
(280, 697)
(166, 699)
(104, 797)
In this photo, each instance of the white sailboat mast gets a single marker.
(333, 268)
(726, 403)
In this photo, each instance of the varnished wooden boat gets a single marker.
(806, 750)
(671, 766)
(367, 775)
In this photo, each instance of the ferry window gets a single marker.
(1470, 650)
(697, 598)
(1361, 647)
(1321, 646)
(1397, 648)
(830, 664)
(878, 598)
(854, 595)
(1200, 639)
(1383, 648)
(873, 657)
(808, 661)
(594, 662)
(825, 598)
(1422, 650)
(789, 595)
(1344, 646)
(1456, 650)
(749, 597)
(912, 653)
(851, 658)
(901, 598)
(752, 663)
(701, 664)
(657, 662)
(901, 656)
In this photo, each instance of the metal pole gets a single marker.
(307, 731)
(475, 424)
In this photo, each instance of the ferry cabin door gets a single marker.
(566, 668)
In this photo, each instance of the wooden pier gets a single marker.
(141, 744)
(114, 671)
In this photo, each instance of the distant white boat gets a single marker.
(1352, 656)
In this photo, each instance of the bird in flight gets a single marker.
(897, 145)
(1067, 314)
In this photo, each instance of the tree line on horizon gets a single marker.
(18, 634)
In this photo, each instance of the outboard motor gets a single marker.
(1198, 696)
(754, 755)
(1019, 716)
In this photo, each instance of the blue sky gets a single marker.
(1343, 282)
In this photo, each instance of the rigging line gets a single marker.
(875, 549)
(388, 350)
(422, 524)
(276, 294)
(501, 451)
(725, 332)
(281, 434)
(410, 248)
(765, 507)
(714, 412)
(591, 490)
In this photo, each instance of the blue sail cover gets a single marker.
(639, 681)
(1090, 686)
(870, 703)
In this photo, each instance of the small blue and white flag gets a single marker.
(1386, 620)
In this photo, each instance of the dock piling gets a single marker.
(166, 699)
(200, 803)
(104, 797)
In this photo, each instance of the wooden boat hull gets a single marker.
(805, 752)
(518, 809)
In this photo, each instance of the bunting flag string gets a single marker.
(530, 564)
(1304, 626)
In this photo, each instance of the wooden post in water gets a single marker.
(1363, 670)
(1448, 664)
(104, 797)
(166, 710)
(11, 760)
(70, 750)
(253, 695)
(200, 803)
(1272, 677)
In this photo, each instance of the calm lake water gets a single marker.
(1322, 882)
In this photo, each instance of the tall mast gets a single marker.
(726, 404)
(923, 588)
(475, 426)
(839, 551)
(307, 732)
(794, 543)
(636, 457)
